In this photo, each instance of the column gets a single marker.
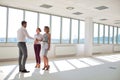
(88, 48)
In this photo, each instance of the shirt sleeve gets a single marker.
(41, 36)
(26, 34)
(35, 36)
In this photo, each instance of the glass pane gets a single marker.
(14, 23)
(44, 20)
(65, 30)
(82, 31)
(115, 35)
(106, 35)
(74, 32)
(55, 31)
(95, 33)
(111, 35)
(3, 12)
(118, 35)
(31, 18)
(101, 33)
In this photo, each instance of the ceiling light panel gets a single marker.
(69, 8)
(46, 6)
(77, 13)
(103, 19)
(101, 7)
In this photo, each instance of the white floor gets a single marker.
(100, 67)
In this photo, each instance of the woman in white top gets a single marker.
(37, 46)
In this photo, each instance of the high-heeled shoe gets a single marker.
(44, 68)
(38, 66)
(47, 68)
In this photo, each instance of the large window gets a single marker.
(31, 18)
(55, 29)
(82, 31)
(115, 35)
(14, 23)
(111, 35)
(44, 20)
(101, 33)
(118, 35)
(65, 30)
(74, 32)
(95, 38)
(106, 34)
(3, 19)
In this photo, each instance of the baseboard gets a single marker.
(7, 60)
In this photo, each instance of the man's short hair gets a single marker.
(23, 22)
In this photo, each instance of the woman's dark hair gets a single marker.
(23, 22)
(46, 27)
(39, 29)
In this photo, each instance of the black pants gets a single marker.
(22, 55)
(37, 48)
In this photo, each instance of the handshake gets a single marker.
(37, 41)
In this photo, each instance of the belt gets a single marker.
(21, 42)
(44, 41)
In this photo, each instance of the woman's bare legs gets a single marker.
(46, 65)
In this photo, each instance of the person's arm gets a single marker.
(40, 38)
(49, 41)
(35, 40)
(26, 34)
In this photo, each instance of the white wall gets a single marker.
(10, 51)
(106, 48)
(103, 49)
(116, 48)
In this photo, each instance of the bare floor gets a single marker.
(100, 67)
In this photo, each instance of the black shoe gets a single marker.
(44, 68)
(25, 71)
(20, 70)
(48, 67)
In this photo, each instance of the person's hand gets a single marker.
(48, 48)
(41, 39)
(36, 41)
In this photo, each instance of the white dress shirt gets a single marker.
(22, 34)
(39, 37)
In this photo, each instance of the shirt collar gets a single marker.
(23, 27)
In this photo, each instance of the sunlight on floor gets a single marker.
(10, 72)
(78, 63)
(53, 69)
(90, 61)
(63, 65)
(6, 71)
(116, 56)
(110, 58)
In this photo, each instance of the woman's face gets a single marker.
(37, 31)
(45, 29)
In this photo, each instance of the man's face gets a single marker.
(25, 25)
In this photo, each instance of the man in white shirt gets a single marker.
(21, 36)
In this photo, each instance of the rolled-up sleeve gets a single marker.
(27, 35)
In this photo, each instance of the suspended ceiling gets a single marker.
(86, 8)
